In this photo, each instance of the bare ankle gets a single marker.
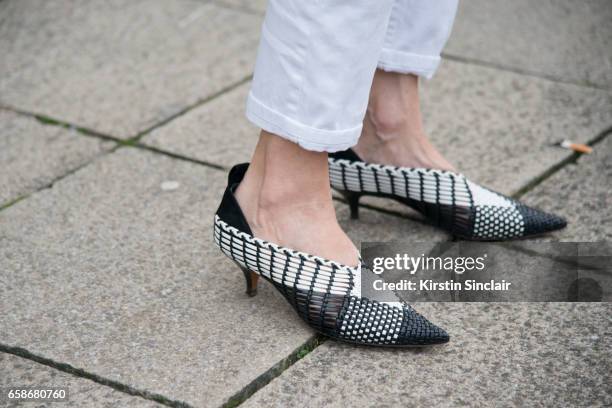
(382, 134)
(393, 112)
(283, 175)
(393, 131)
(381, 125)
(286, 199)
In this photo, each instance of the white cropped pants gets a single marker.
(317, 58)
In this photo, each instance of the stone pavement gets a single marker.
(110, 285)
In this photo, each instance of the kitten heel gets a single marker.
(352, 199)
(251, 280)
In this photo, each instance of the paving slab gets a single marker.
(109, 273)
(559, 38)
(252, 6)
(216, 132)
(23, 373)
(497, 127)
(32, 154)
(501, 355)
(581, 192)
(120, 66)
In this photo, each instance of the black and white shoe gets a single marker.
(325, 294)
(447, 199)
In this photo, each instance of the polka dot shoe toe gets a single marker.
(447, 199)
(325, 294)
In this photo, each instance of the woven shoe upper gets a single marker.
(416, 329)
(538, 222)
(371, 322)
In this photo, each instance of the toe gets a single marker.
(538, 222)
(416, 330)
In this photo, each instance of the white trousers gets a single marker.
(317, 58)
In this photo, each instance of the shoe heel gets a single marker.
(353, 201)
(251, 280)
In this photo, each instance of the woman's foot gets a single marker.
(286, 199)
(393, 131)
(324, 294)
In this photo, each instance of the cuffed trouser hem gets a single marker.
(319, 140)
(408, 63)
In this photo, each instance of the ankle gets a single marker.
(282, 176)
(382, 125)
(394, 106)
(384, 132)
(276, 195)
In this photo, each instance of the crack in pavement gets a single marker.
(571, 159)
(238, 398)
(77, 372)
(194, 105)
(50, 184)
(276, 370)
(524, 72)
(130, 142)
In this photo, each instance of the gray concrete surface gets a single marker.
(498, 127)
(228, 137)
(32, 154)
(108, 273)
(120, 67)
(17, 372)
(249, 6)
(553, 38)
(581, 192)
(499, 355)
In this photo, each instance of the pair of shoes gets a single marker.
(447, 199)
(325, 294)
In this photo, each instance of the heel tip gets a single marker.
(251, 292)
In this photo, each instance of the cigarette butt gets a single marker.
(577, 147)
